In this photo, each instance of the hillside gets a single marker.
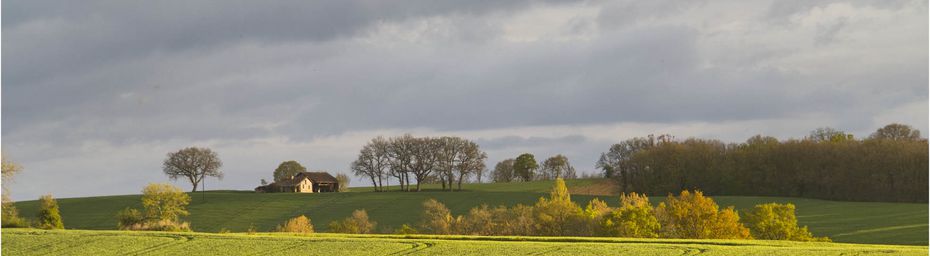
(40, 242)
(854, 222)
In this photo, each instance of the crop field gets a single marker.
(850, 222)
(83, 242)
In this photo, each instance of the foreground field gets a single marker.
(851, 222)
(82, 242)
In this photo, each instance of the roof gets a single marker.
(315, 177)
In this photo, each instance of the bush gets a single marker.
(436, 218)
(299, 224)
(595, 213)
(777, 222)
(691, 215)
(479, 221)
(129, 218)
(10, 216)
(358, 223)
(164, 202)
(405, 230)
(634, 218)
(49, 216)
(343, 182)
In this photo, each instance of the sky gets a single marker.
(96, 93)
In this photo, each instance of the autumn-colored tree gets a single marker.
(558, 215)
(300, 224)
(164, 202)
(358, 223)
(634, 218)
(595, 213)
(479, 221)
(692, 215)
(49, 216)
(436, 218)
(774, 221)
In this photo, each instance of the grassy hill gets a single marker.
(82, 242)
(853, 222)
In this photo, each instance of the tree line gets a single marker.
(525, 168)
(890, 165)
(447, 160)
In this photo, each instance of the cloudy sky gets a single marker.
(95, 93)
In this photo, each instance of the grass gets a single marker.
(83, 242)
(850, 222)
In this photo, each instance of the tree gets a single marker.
(194, 164)
(288, 169)
(436, 218)
(827, 134)
(617, 161)
(774, 221)
(401, 154)
(896, 132)
(10, 215)
(557, 167)
(358, 223)
(558, 215)
(693, 216)
(49, 216)
(470, 161)
(634, 218)
(300, 224)
(129, 219)
(503, 171)
(525, 167)
(164, 202)
(373, 161)
(343, 182)
(425, 157)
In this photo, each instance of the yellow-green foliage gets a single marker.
(479, 221)
(558, 215)
(436, 218)
(358, 223)
(634, 218)
(10, 216)
(300, 224)
(128, 218)
(164, 202)
(405, 230)
(691, 215)
(49, 216)
(774, 221)
(595, 213)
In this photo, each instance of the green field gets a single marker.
(82, 242)
(851, 222)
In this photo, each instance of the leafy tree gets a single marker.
(617, 164)
(525, 167)
(343, 182)
(595, 213)
(194, 164)
(558, 215)
(49, 216)
(436, 218)
(634, 218)
(164, 202)
(557, 167)
(288, 169)
(300, 224)
(774, 221)
(691, 215)
(503, 171)
(479, 221)
(358, 223)
(897, 132)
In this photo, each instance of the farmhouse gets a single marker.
(304, 182)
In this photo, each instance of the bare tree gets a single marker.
(557, 167)
(448, 150)
(470, 161)
(424, 158)
(400, 153)
(503, 171)
(373, 161)
(194, 164)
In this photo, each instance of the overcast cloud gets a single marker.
(95, 93)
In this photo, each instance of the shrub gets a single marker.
(777, 222)
(634, 218)
(436, 218)
(49, 216)
(251, 230)
(164, 225)
(691, 215)
(595, 214)
(343, 182)
(358, 223)
(164, 202)
(10, 216)
(129, 218)
(299, 224)
(405, 230)
(558, 215)
(479, 221)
